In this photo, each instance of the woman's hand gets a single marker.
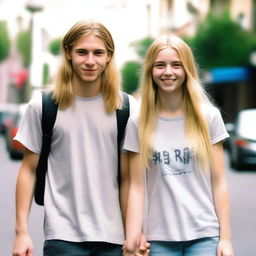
(225, 248)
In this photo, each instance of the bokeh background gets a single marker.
(222, 34)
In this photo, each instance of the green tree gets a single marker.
(55, 46)
(131, 69)
(4, 42)
(141, 46)
(24, 44)
(220, 41)
(131, 76)
(45, 74)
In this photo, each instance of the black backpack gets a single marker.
(49, 112)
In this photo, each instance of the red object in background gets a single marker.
(19, 77)
(15, 145)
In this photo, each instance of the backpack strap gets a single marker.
(49, 113)
(122, 116)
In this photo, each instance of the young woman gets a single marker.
(177, 138)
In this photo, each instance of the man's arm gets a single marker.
(221, 200)
(124, 183)
(135, 207)
(24, 194)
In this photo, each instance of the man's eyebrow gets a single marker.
(85, 49)
(100, 49)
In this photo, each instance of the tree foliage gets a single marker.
(24, 44)
(4, 42)
(141, 46)
(55, 46)
(220, 41)
(131, 69)
(131, 76)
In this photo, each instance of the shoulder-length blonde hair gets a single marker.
(62, 92)
(196, 127)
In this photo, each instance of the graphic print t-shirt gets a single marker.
(179, 195)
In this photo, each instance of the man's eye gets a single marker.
(99, 53)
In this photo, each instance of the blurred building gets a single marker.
(182, 17)
(127, 20)
(232, 88)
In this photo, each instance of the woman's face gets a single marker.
(168, 72)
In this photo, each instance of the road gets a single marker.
(242, 187)
(8, 176)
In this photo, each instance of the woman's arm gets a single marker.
(135, 207)
(221, 200)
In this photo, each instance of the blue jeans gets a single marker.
(198, 247)
(65, 248)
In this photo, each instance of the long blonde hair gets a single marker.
(196, 127)
(62, 92)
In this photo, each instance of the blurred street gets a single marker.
(8, 175)
(243, 208)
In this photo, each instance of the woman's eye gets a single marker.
(177, 64)
(81, 52)
(158, 65)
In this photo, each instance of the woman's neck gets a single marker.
(171, 105)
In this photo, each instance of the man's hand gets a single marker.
(23, 246)
(144, 246)
(142, 249)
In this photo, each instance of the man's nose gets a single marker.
(90, 60)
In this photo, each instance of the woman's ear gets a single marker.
(68, 56)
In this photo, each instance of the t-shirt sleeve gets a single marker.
(131, 142)
(217, 127)
(134, 108)
(29, 132)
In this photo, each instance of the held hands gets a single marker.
(225, 248)
(142, 249)
(23, 246)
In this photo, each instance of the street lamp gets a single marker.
(35, 6)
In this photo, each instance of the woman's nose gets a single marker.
(168, 69)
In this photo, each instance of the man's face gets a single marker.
(89, 58)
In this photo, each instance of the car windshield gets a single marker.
(247, 124)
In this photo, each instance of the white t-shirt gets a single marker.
(179, 195)
(81, 194)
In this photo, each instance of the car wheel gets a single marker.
(238, 164)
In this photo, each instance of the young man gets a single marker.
(81, 200)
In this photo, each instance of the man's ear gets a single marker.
(67, 53)
(109, 57)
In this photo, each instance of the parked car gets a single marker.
(14, 148)
(7, 110)
(242, 142)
